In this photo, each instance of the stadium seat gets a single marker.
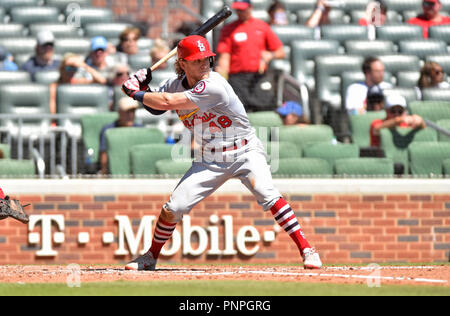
(173, 167)
(422, 48)
(263, 121)
(12, 168)
(139, 61)
(410, 94)
(344, 32)
(14, 77)
(431, 110)
(88, 15)
(331, 152)
(303, 167)
(281, 150)
(395, 143)
(32, 15)
(392, 17)
(6, 150)
(81, 99)
(348, 78)
(46, 77)
(160, 76)
(446, 167)
(209, 8)
(397, 62)
(14, 46)
(12, 30)
(10, 4)
(400, 32)
(59, 30)
(355, 5)
(427, 158)
(2, 15)
(289, 33)
(440, 32)
(62, 4)
(436, 94)
(443, 60)
(303, 54)
(408, 79)
(404, 5)
(91, 126)
(360, 127)
(297, 5)
(336, 16)
(120, 140)
(446, 125)
(145, 45)
(364, 167)
(304, 136)
(13, 100)
(144, 157)
(79, 46)
(369, 48)
(107, 30)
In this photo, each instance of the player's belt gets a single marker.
(237, 145)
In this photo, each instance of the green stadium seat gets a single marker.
(2, 15)
(410, 94)
(446, 167)
(422, 48)
(12, 30)
(62, 4)
(335, 16)
(355, 5)
(369, 48)
(91, 126)
(297, 5)
(6, 150)
(139, 61)
(20, 169)
(35, 14)
(79, 46)
(398, 62)
(427, 158)
(263, 121)
(408, 79)
(303, 167)
(159, 77)
(289, 33)
(107, 30)
(46, 77)
(13, 100)
(14, 77)
(59, 30)
(443, 60)
(440, 32)
(89, 15)
(344, 32)
(331, 152)
(14, 46)
(7, 5)
(209, 8)
(400, 32)
(395, 143)
(281, 150)
(173, 167)
(404, 5)
(364, 167)
(304, 136)
(435, 94)
(144, 157)
(446, 125)
(303, 54)
(431, 110)
(120, 140)
(360, 127)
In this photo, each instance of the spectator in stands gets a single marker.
(320, 15)
(291, 113)
(432, 76)
(278, 14)
(375, 99)
(376, 13)
(74, 70)
(158, 51)
(127, 113)
(246, 48)
(430, 16)
(356, 95)
(6, 63)
(128, 44)
(120, 75)
(44, 59)
(98, 57)
(396, 115)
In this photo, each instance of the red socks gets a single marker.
(163, 232)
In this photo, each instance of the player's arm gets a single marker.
(167, 101)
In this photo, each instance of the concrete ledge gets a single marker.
(286, 186)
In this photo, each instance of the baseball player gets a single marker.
(210, 109)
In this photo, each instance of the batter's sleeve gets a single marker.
(207, 95)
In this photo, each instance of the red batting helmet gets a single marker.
(194, 47)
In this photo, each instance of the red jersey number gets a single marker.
(223, 121)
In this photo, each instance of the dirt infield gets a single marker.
(372, 275)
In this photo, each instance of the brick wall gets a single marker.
(345, 228)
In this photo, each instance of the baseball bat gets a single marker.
(218, 18)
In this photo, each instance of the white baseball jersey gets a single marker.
(221, 126)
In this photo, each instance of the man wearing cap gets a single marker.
(246, 48)
(44, 60)
(5, 61)
(127, 113)
(430, 16)
(98, 57)
(291, 113)
(396, 115)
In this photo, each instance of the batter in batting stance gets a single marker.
(210, 109)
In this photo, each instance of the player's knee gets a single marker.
(170, 216)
